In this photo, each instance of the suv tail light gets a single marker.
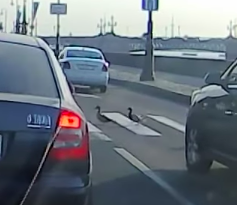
(105, 68)
(72, 140)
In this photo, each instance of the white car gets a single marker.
(85, 66)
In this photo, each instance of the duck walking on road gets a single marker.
(133, 117)
(100, 116)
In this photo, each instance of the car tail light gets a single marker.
(72, 140)
(105, 68)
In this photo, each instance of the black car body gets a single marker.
(44, 140)
(211, 128)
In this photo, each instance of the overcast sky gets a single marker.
(205, 18)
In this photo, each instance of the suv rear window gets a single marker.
(25, 70)
(83, 54)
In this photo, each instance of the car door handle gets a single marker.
(229, 112)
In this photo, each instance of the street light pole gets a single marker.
(148, 71)
(4, 12)
(32, 18)
(17, 19)
(24, 21)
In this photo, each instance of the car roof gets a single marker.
(81, 48)
(22, 39)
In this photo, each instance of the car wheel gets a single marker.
(103, 89)
(196, 161)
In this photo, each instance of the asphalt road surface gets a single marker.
(144, 165)
(175, 78)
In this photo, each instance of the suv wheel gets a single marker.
(196, 162)
(103, 89)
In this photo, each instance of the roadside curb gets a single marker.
(152, 91)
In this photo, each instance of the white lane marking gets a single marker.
(154, 177)
(87, 95)
(98, 133)
(93, 128)
(102, 136)
(134, 127)
(169, 122)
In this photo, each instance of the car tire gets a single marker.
(103, 89)
(195, 146)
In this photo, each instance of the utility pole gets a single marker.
(179, 31)
(104, 25)
(166, 32)
(172, 27)
(18, 16)
(112, 24)
(230, 28)
(148, 73)
(24, 22)
(57, 47)
(234, 28)
(32, 18)
(4, 13)
(36, 27)
(100, 26)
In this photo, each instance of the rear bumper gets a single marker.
(60, 190)
(89, 81)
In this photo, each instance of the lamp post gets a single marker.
(24, 21)
(17, 18)
(4, 12)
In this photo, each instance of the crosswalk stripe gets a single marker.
(168, 122)
(93, 128)
(97, 133)
(102, 136)
(86, 95)
(136, 128)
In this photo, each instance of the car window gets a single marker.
(25, 70)
(84, 54)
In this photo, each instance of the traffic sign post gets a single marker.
(148, 69)
(58, 9)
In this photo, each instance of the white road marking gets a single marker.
(154, 177)
(168, 122)
(93, 128)
(102, 136)
(87, 95)
(98, 133)
(134, 127)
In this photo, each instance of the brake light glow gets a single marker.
(69, 119)
(72, 140)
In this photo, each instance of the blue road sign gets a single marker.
(150, 5)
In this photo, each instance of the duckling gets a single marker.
(133, 117)
(100, 116)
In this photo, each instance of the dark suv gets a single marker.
(45, 155)
(211, 128)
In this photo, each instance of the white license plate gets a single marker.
(80, 67)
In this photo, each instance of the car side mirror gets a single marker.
(213, 78)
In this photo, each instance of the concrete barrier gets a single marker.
(181, 66)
